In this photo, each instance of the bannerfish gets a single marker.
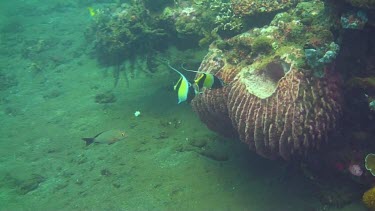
(209, 81)
(206, 80)
(91, 11)
(106, 137)
(184, 89)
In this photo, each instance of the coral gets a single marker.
(368, 199)
(271, 101)
(225, 18)
(208, 38)
(318, 58)
(262, 44)
(189, 22)
(371, 105)
(206, 19)
(253, 7)
(370, 163)
(122, 31)
(352, 20)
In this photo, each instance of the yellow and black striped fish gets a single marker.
(91, 11)
(184, 89)
(208, 81)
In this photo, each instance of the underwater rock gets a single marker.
(13, 26)
(271, 101)
(25, 186)
(198, 142)
(52, 94)
(362, 3)
(105, 172)
(106, 97)
(217, 155)
(7, 81)
(162, 135)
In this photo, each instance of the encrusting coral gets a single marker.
(368, 199)
(252, 7)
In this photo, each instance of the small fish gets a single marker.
(106, 137)
(206, 80)
(209, 81)
(184, 89)
(91, 11)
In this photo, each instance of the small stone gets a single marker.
(106, 97)
(116, 185)
(215, 155)
(30, 184)
(105, 172)
(198, 142)
(79, 181)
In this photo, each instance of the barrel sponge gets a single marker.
(278, 110)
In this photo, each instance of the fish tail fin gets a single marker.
(88, 140)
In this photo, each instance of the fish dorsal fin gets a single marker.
(194, 71)
(182, 86)
(205, 74)
(98, 134)
(175, 70)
